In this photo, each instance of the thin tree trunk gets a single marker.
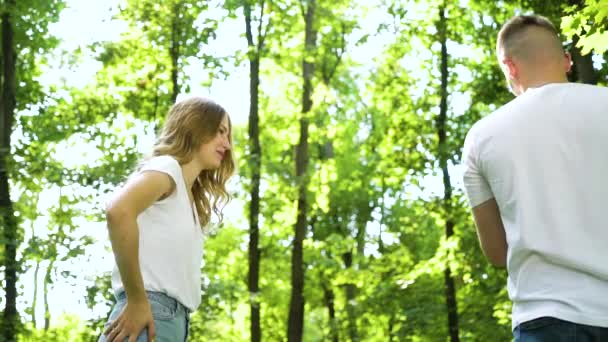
(295, 325)
(156, 84)
(382, 216)
(350, 293)
(255, 162)
(450, 291)
(47, 281)
(231, 314)
(391, 324)
(381, 249)
(35, 295)
(350, 289)
(8, 224)
(329, 298)
(363, 216)
(174, 50)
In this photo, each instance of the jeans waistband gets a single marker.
(159, 297)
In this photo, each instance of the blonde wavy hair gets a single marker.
(189, 124)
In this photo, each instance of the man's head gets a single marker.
(530, 53)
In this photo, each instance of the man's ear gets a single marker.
(567, 62)
(510, 68)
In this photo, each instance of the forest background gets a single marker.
(348, 221)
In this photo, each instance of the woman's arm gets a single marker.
(139, 193)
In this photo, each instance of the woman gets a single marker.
(156, 222)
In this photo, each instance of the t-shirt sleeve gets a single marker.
(164, 164)
(476, 186)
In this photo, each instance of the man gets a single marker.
(536, 175)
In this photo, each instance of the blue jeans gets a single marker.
(171, 318)
(549, 329)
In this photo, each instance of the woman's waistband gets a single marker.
(159, 297)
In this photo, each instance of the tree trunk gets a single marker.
(174, 50)
(8, 224)
(363, 216)
(350, 293)
(582, 65)
(329, 298)
(450, 291)
(255, 162)
(35, 296)
(47, 280)
(382, 216)
(295, 326)
(391, 324)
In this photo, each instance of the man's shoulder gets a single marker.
(573, 90)
(599, 93)
(492, 120)
(588, 87)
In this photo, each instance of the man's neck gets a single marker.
(541, 81)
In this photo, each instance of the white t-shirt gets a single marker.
(544, 158)
(170, 241)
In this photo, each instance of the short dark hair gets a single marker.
(512, 29)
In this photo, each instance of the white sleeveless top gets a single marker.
(170, 241)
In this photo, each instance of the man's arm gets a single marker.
(490, 229)
(491, 232)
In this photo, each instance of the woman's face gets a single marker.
(211, 154)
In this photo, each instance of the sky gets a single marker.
(84, 22)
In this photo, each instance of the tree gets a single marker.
(450, 291)
(24, 39)
(7, 218)
(587, 21)
(255, 51)
(585, 24)
(295, 326)
(179, 30)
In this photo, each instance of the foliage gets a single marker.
(590, 23)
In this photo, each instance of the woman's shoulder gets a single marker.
(164, 163)
(159, 161)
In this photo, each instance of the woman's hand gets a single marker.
(134, 318)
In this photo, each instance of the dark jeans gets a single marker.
(549, 329)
